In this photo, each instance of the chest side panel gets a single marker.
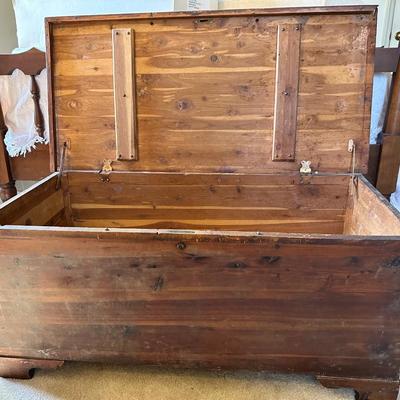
(206, 89)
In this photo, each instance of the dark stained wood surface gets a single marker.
(319, 305)
(386, 59)
(30, 62)
(34, 166)
(7, 183)
(389, 164)
(366, 389)
(206, 87)
(20, 368)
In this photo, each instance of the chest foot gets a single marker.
(365, 389)
(22, 368)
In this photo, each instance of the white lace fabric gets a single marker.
(18, 111)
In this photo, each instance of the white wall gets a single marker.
(8, 30)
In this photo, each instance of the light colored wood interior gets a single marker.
(368, 212)
(319, 204)
(275, 203)
(40, 205)
(206, 92)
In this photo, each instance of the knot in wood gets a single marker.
(181, 246)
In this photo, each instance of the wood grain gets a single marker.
(272, 203)
(205, 91)
(124, 94)
(38, 205)
(389, 164)
(369, 213)
(228, 300)
(286, 92)
(353, 9)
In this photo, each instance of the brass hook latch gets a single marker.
(62, 162)
(105, 171)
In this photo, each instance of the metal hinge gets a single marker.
(105, 171)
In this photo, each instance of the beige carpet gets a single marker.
(100, 382)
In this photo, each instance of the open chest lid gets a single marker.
(249, 91)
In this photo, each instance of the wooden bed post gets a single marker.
(7, 183)
(389, 163)
(31, 63)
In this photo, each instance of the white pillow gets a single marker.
(30, 14)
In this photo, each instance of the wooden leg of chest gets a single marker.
(22, 368)
(366, 389)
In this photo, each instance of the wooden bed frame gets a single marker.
(385, 155)
(35, 165)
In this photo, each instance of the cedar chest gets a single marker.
(207, 206)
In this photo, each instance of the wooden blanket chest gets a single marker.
(208, 206)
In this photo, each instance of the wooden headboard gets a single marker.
(36, 164)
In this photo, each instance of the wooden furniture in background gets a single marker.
(7, 183)
(205, 251)
(385, 155)
(36, 163)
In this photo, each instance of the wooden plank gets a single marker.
(369, 213)
(386, 59)
(125, 93)
(35, 206)
(34, 166)
(358, 9)
(286, 91)
(272, 203)
(43, 212)
(389, 164)
(373, 163)
(180, 298)
(53, 137)
(210, 107)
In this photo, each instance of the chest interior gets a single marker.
(290, 203)
(205, 120)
